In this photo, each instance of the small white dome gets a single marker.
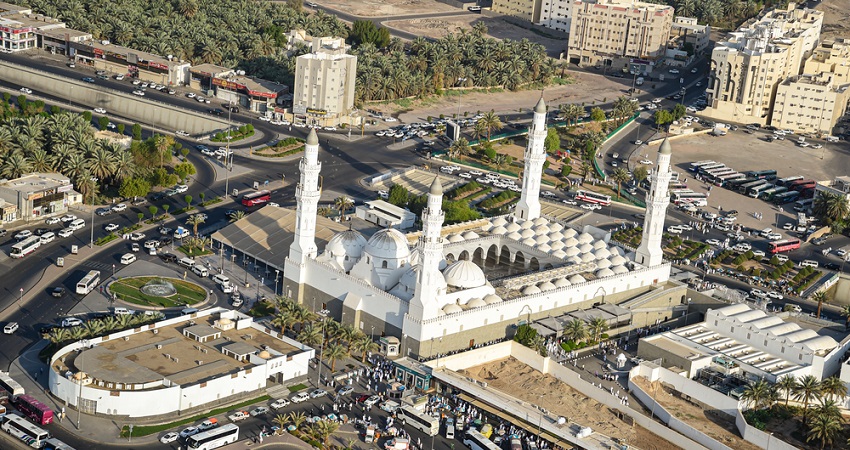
(476, 303)
(585, 238)
(576, 279)
(569, 232)
(544, 248)
(514, 235)
(465, 275)
(571, 242)
(529, 242)
(451, 308)
(602, 273)
(527, 233)
(616, 250)
(542, 239)
(455, 238)
(347, 243)
(541, 229)
(264, 354)
(500, 230)
(618, 260)
(575, 259)
(619, 270)
(572, 251)
(526, 225)
(555, 226)
(513, 226)
(585, 248)
(529, 290)
(388, 243)
(546, 286)
(603, 264)
(562, 282)
(499, 221)
(559, 254)
(587, 257)
(470, 235)
(556, 236)
(492, 298)
(541, 221)
(599, 245)
(601, 253)
(556, 245)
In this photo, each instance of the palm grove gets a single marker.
(251, 35)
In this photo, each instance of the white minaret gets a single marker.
(430, 282)
(535, 156)
(649, 253)
(307, 195)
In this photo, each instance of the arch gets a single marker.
(492, 256)
(505, 256)
(384, 264)
(534, 264)
(464, 255)
(478, 256)
(519, 258)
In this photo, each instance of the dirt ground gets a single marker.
(378, 8)
(712, 425)
(836, 20)
(525, 383)
(497, 28)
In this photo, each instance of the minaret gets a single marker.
(535, 156)
(307, 196)
(430, 282)
(649, 253)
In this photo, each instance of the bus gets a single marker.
(762, 174)
(33, 409)
(785, 197)
(756, 191)
(713, 174)
(56, 444)
(785, 245)
(419, 420)
(693, 198)
(788, 180)
(476, 441)
(800, 185)
(89, 282)
(746, 186)
(593, 197)
(215, 438)
(730, 177)
(19, 427)
(257, 198)
(11, 386)
(769, 193)
(705, 169)
(25, 247)
(802, 205)
(516, 443)
(735, 184)
(696, 165)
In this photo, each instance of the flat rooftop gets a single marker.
(179, 359)
(35, 182)
(60, 33)
(143, 56)
(257, 84)
(209, 69)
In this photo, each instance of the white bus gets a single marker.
(419, 420)
(694, 198)
(89, 282)
(56, 444)
(696, 165)
(593, 197)
(25, 247)
(22, 429)
(215, 438)
(476, 441)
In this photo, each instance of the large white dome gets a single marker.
(476, 303)
(347, 243)
(388, 243)
(464, 274)
(451, 308)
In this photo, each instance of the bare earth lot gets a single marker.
(521, 381)
(836, 20)
(378, 8)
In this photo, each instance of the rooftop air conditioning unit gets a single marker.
(200, 363)
(158, 346)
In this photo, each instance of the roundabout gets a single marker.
(157, 292)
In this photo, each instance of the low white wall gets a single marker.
(758, 437)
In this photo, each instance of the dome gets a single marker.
(587, 257)
(224, 321)
(514, 235)
(470, 235)
(542, 239)
(576, 279)
(499, 230)
(527, 225)
(499, 221)
(540, 107)
(556, 245)
(599, 244)
(476, 303)
(388, 243)
(603, 264)
(569, 232)
(541, 221)
(451, 308)
(585, 248)
(559, 254)
(546, 286)
(602, 273)
(312, 138)
(616, 250)
(555, 226)
(455, 238)
(602, 253)
(556, 236)
(513, 226)
(464, 274)
(529, 242)
(80, 375)
(619, 270)
(665, 148)
(571, 242)
(347, 243)
(529, 290)
(492, 298)
(585, 238)
(572, 251)
(544, 248)
(436, 187)
(264, 354)
(562, 282)
(541, 229)
(527, 233)
(618, 260)
(575, 260)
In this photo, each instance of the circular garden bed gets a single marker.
(137, 290)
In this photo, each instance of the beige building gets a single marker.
(615, 32)
(556, 14)
(686, 31)
(747, 68)
(324, 83)
(528, 10)
(831, 56)
(809, 104)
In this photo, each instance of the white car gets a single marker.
(65, 232)
(259, 411)
(298, 398)
(774, 236)
(673, 229)
(657, 100)
(646, 162)
(137, 236)
(128, 259)
(168, 438)
(465, 175)
(100, 110)
(758, 293)
(330, 128)
(714, 242)
(23, 234)
(110, 227)
(119, 207)
(390, 119)
(181, 188)
(841, 252)
(26, 90)
(674, 71)
(638, 142)
(265, 118)
(68, 218)
(139, 93)
(52, 221)
(190, 95)
(299, 124)
(182, 133)
(775, 295)
(384, 194)
(281, 403)
(816, 146)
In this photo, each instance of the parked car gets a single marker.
(119, 207)
(318, 393)
(259, 411)
(189, 432)
(280, 403)
(168, 438)
(239, 416)
(58, 292)
(110, 227)
(300, 397)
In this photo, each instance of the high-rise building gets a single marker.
(615, 32)
(747, 68)
(324, 83)
(528, 207)
(649, 253)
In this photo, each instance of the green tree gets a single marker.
(553, 140)
(194, 220)
(788, 385)
(184, 170)
(490, 153)
(134, 187)
(137, 132)
(188, 199)
(491, 122)
(823, 428)
(597, 326)
(833, 388)
(459, 148)
(808, 388)
(566, 169)
(678, 111)
(662, 118)
(620, 176)
(140, 216)
(830, 207)
(758, 394)
(201, 196)
(120, 128)
(103, 122)
(597, 114)
(576, 330)
(333, 353)
(153, 210)
(342, 204)
(820, 297)
(366, 32)
(640, 174)
(165, 207)
(399, 195)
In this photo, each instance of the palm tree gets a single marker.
(833, 388)
(194, 220)
(831, 207)
(58, 335)
(322, 430)
(823, 428)
(758, 394)
(576, 330)
(820, 297)
(296, 418)
(283, 320)
(459, 148)
(491, 122)
(620, 175)
(280, 420)
(598, 326)
(162, 144)
(236, 215)
(788, 385)
(342, 204)
(333, 353)
(808, 388)
(364, 345)
(828, 407)
(500, 161)
(310, 335)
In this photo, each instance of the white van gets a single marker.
(809, 263)
(781, 258)
(221, 279)
(77, 224)
(200, 271)
(450, 431)
(128, 258)
(47, 237)
(831, 139)
(118, 311)
(186, 262)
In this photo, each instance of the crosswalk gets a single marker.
(95, 265)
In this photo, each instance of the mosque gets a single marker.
(449, 287)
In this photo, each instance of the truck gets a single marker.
(239, 416)
(369, 436)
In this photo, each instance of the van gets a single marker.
(47, 237)
(765, 232)
(128, 258)
(187, 262)
(77, 224)
(781, 258)
(809, 263)
(221, 279)
(200, 271)
(119, 311)
(831, 139)
(187, 311)
(450, 431)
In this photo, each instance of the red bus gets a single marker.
(593, 197)
(801, 184)
(783, 246)
(33, 409)
(257, 198)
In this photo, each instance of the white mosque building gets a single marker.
(469, 283)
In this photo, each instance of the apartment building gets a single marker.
(810, 103)
(832, 56)
(528, 10)
(556, 14)
(747, 68)
(687, 32)
(324, 83)
(614, 32)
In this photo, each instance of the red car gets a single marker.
(362, 398)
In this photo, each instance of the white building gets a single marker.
(175, 365)
(35, 196)
(649, 252)
(556, 14)
(385, 214)
(324, 83)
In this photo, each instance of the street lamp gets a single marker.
(21, 300)
(93, 180)
(372, 336)
(321, 349)
(113, 270)
(276, 274)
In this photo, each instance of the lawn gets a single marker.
(262, 309)
(147, 430)
(193, 251)
(127, 290)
